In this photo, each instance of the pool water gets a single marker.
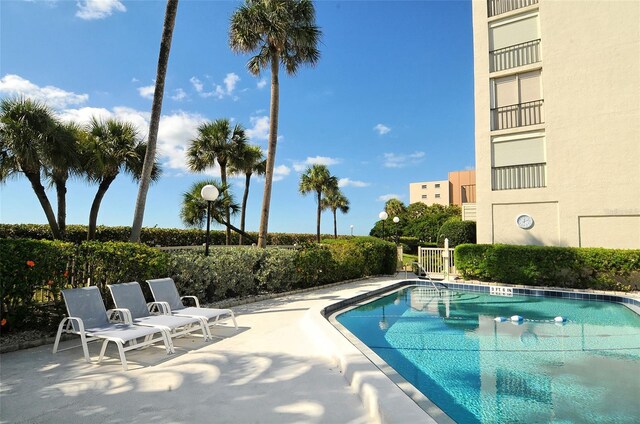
(449, 346)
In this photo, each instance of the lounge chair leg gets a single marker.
(59, 334)
(103, 350)
(233, 318)
(123, 358)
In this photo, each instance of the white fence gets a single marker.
(433, 262)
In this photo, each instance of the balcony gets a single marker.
(514, 56)
(518, 115)
(497, 7)
(468, 193)
(518, 176)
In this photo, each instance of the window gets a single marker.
(424, 186)
(437, 185)
(514, 42)
(516, 101)
(437, 196)
(424, 196)
(518, 161)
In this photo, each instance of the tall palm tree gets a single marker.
(317, 179)
(335, 201)
(113, 147)
(278, 32)
(250, 161)
(25, 128)
(62, 157)
(193, 212)
(216, 141)
(149, 163)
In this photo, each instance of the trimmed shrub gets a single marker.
(458, 232)
(410, 244)
(602, 269)
(363, 256)
(149, 236)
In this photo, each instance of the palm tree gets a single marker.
(25, 128)
(193, 212)
(216, 141)
(113, 147)
(335, 201)
(250, 161)
(62, 157)
(279, 32)
(319, 180)
(149, 163)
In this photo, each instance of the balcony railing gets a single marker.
(496, 7)
(518, 115)
(514, 56)
(518, 176)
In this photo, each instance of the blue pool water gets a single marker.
(449, 346)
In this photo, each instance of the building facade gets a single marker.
(459, 189)
(557, 115)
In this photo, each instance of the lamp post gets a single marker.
(351, 230)
(383, 216)
(208, 193)
(395, 221)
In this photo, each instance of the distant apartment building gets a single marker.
(557, 117)
(459, 189)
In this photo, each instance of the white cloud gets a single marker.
(134, 79)
(147, 92)
(387, 197)
(259, 128)
(261, 84)
(279, 172)
(393, 160)
(230, 82)
(179, 94)
(98, 9)
(317, 160)
(346, 182)
(14, 85)
(381, 129)
(197, 84)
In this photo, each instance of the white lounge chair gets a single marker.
(165, 293)
(89, 319)
(129, 296)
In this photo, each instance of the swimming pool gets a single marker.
(449, 346)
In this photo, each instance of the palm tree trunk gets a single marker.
(227, 213)
(271, 151)
(239, 231)
(318, 215)
(38, 188)
(335, 225)
(156, 110)
(61, 193)
(245, 197)
(95, 206)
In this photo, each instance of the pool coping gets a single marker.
(381, 388)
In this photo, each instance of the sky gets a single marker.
(390, 101)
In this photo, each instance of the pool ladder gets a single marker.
(428, 278)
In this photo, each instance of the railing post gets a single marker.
(445, 260)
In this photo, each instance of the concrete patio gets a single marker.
(285, 364)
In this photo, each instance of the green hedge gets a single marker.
(32, 272)
(458, 232)
(149, 236)
(596, 268)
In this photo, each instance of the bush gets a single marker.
(603, 269)
(149, 236)
(458, 232)
(32, 273)
(410, 244)
(363, 256)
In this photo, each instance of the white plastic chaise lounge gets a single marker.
(89, 319)
(164, 291)
(129, 296)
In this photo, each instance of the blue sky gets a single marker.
(389, 103)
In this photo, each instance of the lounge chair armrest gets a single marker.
(159, 308)
(66, 326)
(195, 299)
(120, 315)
